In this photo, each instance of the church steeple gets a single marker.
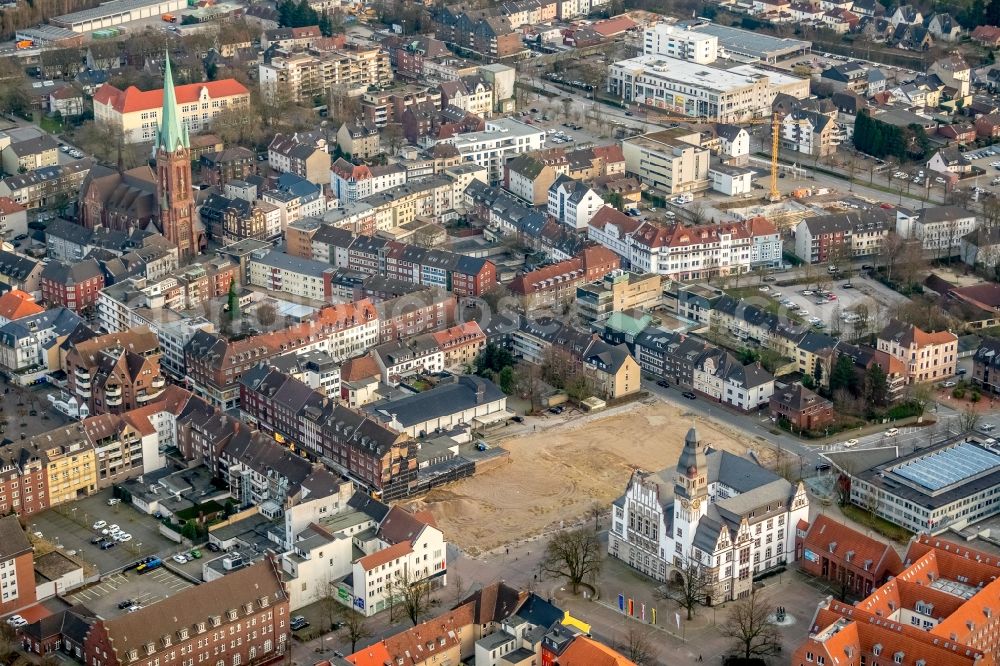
(171, 133)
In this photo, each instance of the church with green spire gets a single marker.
(178, 216)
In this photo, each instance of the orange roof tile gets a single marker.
(360, 367)
(585, 651)
(457, 336)
(16, 304)
(825, 533)
(132, 99)
(373, 655)
(386, 555)
(8, 206)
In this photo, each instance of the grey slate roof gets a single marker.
(444, 399)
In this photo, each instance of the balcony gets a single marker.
(113, 391)
(145, 396)
(158, 382)
(83, 392)
(113, 402)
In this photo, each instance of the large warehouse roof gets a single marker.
(750, 44)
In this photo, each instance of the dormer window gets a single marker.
(167, 641)
(133, 655)
(231, 614)
(182, 635)
(216, 620)
(150, 648)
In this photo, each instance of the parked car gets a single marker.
(107, 545)
(663, 382)
(100, 524)
(850, 444)
(179, 559)
(122, 537)
(113, 501)
(948, 384)
(689, 395)
(892, 432)
(298, 622)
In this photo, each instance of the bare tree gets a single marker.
(355, 627)
(574, 555)
(639, 645)
(889, 251)
(968, 419)
(265, 314)
(410, 597)
(751, 628)
(691, 588)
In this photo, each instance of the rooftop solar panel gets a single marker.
(948, 466)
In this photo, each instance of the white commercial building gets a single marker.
(939, 228)
(502, 139)
(676, 42)
(687, 88)
(573, 203)
(721, 513)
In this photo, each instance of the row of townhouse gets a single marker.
(72, 461)
(214, 364)
(371, 255)
(347, 441)
(555, 285)
(845, 236)
(688, 253)
(907, 354)
(438, 198)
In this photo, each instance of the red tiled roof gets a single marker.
(825, 533)
(585, 651)
(8, 206)
(16, 304)
(132, 99)
(386, 555)
(462, 334)
(360, 367)
(613, 26)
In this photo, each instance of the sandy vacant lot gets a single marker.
(557, 475)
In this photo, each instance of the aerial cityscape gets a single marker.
(499, 333)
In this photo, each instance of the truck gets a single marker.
(169, 18)
(25, 43)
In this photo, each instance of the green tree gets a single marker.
(493, 358)
(876, 386)
(507, 379)
(234, 302)
(842, 376)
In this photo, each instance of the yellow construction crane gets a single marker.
(774, 120)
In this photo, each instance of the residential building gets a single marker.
(29, 346)
(932, 611)
(18, 271)
(981, 246)
(460, 344)
(668, 161)
(830, 239)
(246, 610)
(304, 75)
(74, 286)
(811, 133)
(530, 177)
(618, 291)
(21, 156)
(13, 219)
(722, 377)
(359, 140)
(303, 154)
(724, 513)
(801, 408)
(491, 37)
(687, 88)
(614, 371)
(676, 42)
(215, 365)
(116, 372)
(986, 365)
(136, 114)
(855, 563)
(16, 304)
(573, 203)
(733, 181)
(353, 182)
(44, 187)
(400, 358)
(17, 569)
(929, 357)
(224, 166)
(555, 284)
(502, 139)
(940, 229)
(280, 272)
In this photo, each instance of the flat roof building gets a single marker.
(952, 484)
(692, 89)
(750, 46)
(115, 12)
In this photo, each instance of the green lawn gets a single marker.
(50, 125)
(880, 525)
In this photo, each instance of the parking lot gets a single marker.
(142, 589)
(71, 528)
(822, 308)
